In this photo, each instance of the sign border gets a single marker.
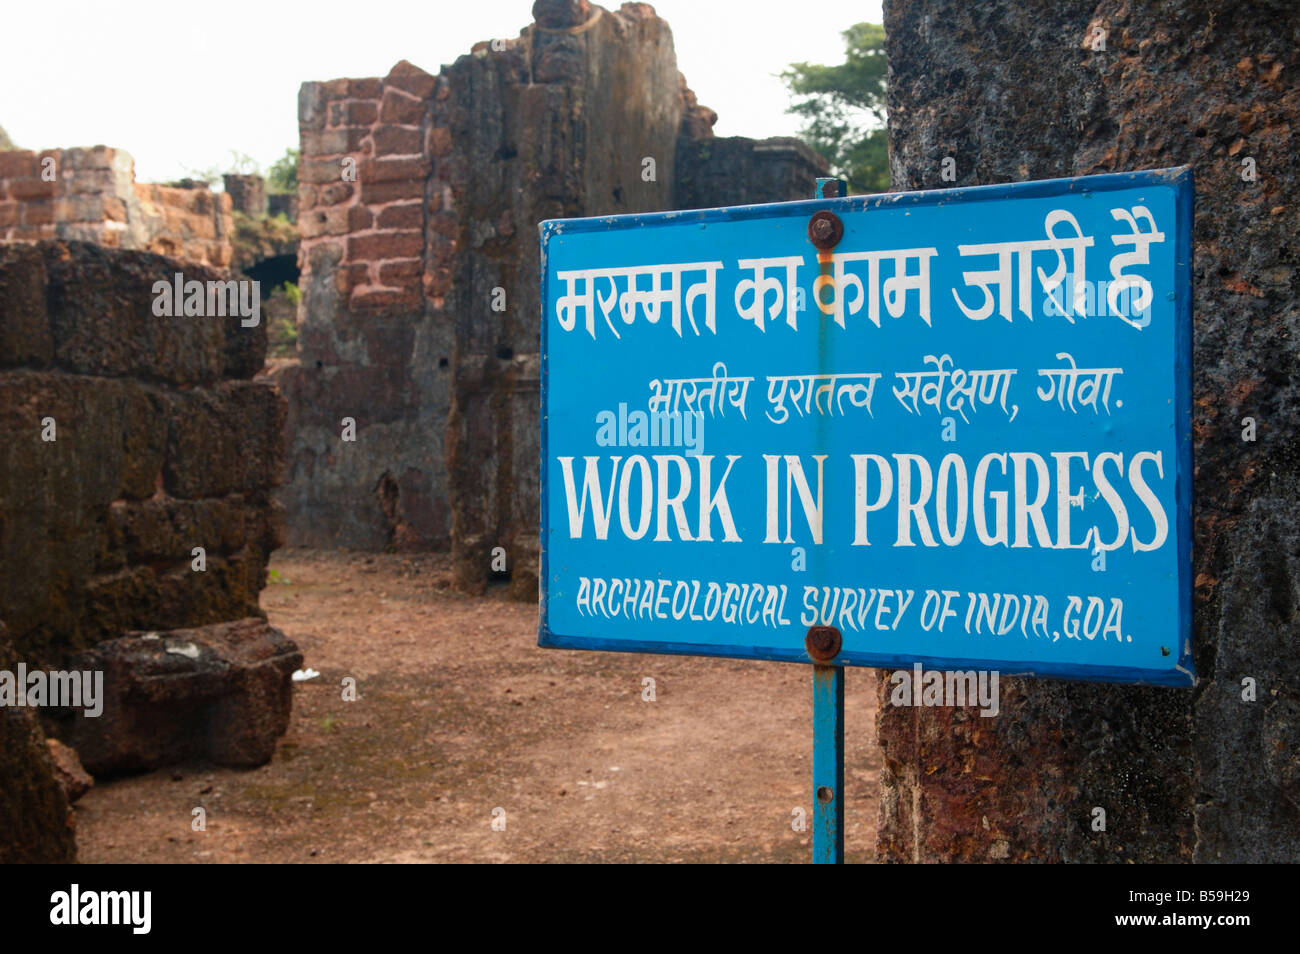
(1179, 178)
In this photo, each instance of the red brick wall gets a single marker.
(366, 148)
(90, 195)
(190, 224)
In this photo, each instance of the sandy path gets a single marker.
(460, 713)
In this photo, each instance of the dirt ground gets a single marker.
(460, 715)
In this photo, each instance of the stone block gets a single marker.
(219, 693)
(225, 440)
(398, 107)
(410, 79)
(101, 313)
(393, 140)
(384, 245)
(25, 337)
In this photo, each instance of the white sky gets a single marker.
(167, 82)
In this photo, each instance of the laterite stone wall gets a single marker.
(1183, 775)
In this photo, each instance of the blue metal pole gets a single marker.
(828, 765)
(828, 706)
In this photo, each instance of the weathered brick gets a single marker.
(33, 188)
(381, 193)
(360, 218)
(394, 169)
(18, 164)
(391, 492)
(408, 215)
(391, 140)
(384, 299)
(81, 469)
(89, 181)
(95, 158)
(384, 245)
(38, 213)
(57, 494)
(401, 274)
(397, 107)
(353, 112)
(334, 193)
(411, 79)
(36, 233)
(336, 88)
(325, 142)
(370, 88)
(79, 208)
(329, 220)
(320, 171)
(350, 276)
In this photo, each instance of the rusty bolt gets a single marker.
(823, 643)
(825, 229)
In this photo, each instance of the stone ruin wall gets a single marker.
(608, 94)
(91, 195)
(453, 173)
(161, 442)
(1183, 775)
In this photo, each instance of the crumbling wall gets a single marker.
(561, 123)
(247, 193)
(420, 313)
(738, 171)
(91, 195)
(375, 343)
(1085, 87)
(191, 224)
(126, 440)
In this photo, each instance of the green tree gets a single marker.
(5, 141)
(843, 108)
(240, 164)
(282, 177)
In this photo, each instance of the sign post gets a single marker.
(945, 432)
(828, 765)
(823, 644)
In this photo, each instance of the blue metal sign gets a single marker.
(953, 425)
